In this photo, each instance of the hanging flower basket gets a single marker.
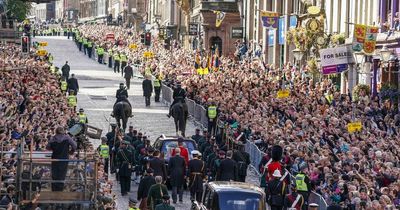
(359, 89)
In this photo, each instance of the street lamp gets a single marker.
(298, 54)
(359, 58)
(385, 53)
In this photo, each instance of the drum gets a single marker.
(76, 129)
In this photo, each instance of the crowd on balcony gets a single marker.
(32, 106)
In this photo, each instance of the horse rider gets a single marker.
(178, 95)
(122, 95)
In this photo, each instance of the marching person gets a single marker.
(62, 145)
(128, 75)
(196, 175)
(65, 71)
(145, 183)
(243, 160)
(276, 191)
(147, 90)
(73, 84)
(157, 88)
(158, 165)
(177, 172)
(156, 192)
(104, 151)
(165, 205)
(227, 170)
(124, 167)
(82, 117)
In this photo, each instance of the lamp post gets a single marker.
(386, 57)
(298, 55)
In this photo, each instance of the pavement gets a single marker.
(97, 88)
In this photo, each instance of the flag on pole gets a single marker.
(220, 18)
(269, 19)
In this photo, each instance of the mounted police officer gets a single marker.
(179, 95)
(122, 94)
(196, 169)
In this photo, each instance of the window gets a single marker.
(238, 200)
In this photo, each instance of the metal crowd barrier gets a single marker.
(166, 94)
(256, 155)
(197, 112)
(191, 105)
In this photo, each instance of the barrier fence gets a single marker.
(199, 113)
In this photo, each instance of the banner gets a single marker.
(335, 60)
(269, 19)
(364, 38)
(193, 28)
(220, 18)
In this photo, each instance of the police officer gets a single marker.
(89, 48)
(72, 100)
(80, 43)
(85, 45)
(165, 205)
(212, 114)
(63, 85)
(110, 57)
(124, 167)
(104, 151)
(303, 185)
(157, 88)
(100, 54)
(196, 168)
(122, 94)
(243, 160)
(132, 204)
(179, 94)
(82, 116)
(276, 191)
(117, 59)
(124, 61)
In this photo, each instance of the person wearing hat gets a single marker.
(303, 185)
(124, 163)
(113, 147)
(196, 137)
(71, 99)
(132, 204)
(157, 87)
(227, 171)
(243, 160)
(276, 191)
(196, 168)
(165, 205)
(82, 116)
(212, 114)
(179, 95)
(122, 94)
(104, 152)
(145, 183)
(293, 200)
(147, 87)
(313, 206)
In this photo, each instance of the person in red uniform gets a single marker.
(276, 155)
(184, 151)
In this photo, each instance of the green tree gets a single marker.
(17, 9)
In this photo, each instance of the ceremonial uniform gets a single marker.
(125, 166)
(196, 175)
(156, 192)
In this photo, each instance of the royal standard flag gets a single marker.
(220, 18)
(270, 19)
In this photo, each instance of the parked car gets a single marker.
(166, 145)
(231, 196)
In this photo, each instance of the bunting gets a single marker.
(220, 18)
(364, 38)
(270, 19)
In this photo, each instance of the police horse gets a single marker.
(180, 114)
(122, 111)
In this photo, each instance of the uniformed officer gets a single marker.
(82, 116)
(212, 115)
(276, 191)
(124, 167)
(80, 43)
(179, 94)
(196, 175)
(104, 151)
(303, 185)
(157, 88)
(63, 86)
(132, 204)
(110, 57)
(242, 158)
(117, 59)
(72, 100)
(100, 54)
(293, 200)
(124, 62)
(156, 193)
(165, 205)
(89, 48)
(122, 94)
(227, 170)
(85, 42)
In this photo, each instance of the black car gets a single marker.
(167, 144)
(231, 196)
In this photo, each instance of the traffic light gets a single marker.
(25, 44)
(142, 38)
(147, 40)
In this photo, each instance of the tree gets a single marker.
(17, 9)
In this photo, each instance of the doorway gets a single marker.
(215, 42)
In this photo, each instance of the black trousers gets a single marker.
(196, 195)
(157, 91)
(212, 125)
(89, 50)
(125, 182)
(58, 173)
(110, 62)
(147, 100)
(106, 161)
(305, 195)
(116, 66)
(80, 46)
(100, 59)
(123, 64)
(128, 83)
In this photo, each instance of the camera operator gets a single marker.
(61, 144)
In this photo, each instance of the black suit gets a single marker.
(158, 165)
(124, 163)
(227, 170)
(147, 90)
(73, 85)
(65, 71)
(177, 171)
(144, 186)
(128, 71)
(196, 169)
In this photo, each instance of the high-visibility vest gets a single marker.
(110, 52)
(51, 58)
(124, 58)
(147, 71)
(72, 100)
(133, 208)
(212, 112)
(329, 98)
(200, 71)
(100, 51)
(300, 183)
(89, 44)
(85, 41)
(205, 71)
(64, 85)
(104, 151)
(82, 118)
(156, 83)
(52, 69)
(116, 57)
(80, 40)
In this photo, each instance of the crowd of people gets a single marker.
(355, 170)
(34, 110)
